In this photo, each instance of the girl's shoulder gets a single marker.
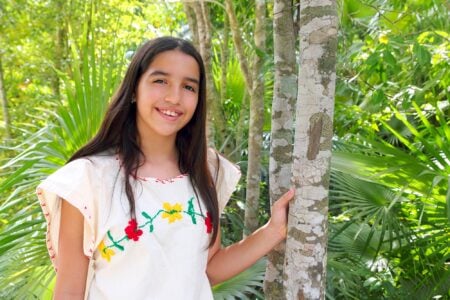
(84, 183)
(225, 175)
(86, 168)
(218, 163)
(102, 162)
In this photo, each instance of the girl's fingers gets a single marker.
(287, 196)
(280, 210)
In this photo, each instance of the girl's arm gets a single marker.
(230, 261)
(72, 263)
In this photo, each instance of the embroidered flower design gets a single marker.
(172, 212)
(208, 222)
(132, 231)
(105, 252)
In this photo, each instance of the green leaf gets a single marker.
(389, 58)
(448, 200)
(422, 55)
(243, 284)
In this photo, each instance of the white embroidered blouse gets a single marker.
(162, 253)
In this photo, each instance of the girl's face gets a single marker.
(167, 95)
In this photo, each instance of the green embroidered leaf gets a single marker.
(151, 227)
(191, 210)
(118, 246)
(146, 215)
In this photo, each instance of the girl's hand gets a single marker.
(225, 263)
(278, 220)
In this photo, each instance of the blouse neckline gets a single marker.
(162, 180)
(153, 179)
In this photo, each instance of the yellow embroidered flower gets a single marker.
(172, 212)
(106, 253)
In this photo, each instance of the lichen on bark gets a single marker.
(305, 258)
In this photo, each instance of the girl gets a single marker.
(135, 212)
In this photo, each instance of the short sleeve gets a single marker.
(226, 176)
(75, 183)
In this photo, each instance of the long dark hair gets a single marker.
(118, 130)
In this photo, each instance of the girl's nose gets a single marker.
(173, 96)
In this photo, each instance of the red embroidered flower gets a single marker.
(132, 231)
(208, 222)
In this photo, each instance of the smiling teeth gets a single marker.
(169, 113)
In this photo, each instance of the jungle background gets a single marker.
(389, 201)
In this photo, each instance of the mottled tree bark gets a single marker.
(305, 257)
(256, 121)
(283, 107)
(4, 102)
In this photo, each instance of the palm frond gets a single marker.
(392, 204)
(25, 270)
(246, 285)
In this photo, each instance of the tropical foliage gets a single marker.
(390, 184)
(390, 198)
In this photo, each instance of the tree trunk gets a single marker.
(60, 46)
(204, 42)
(238, 44)
(243, 64)
(305, 257)
(217, 117)
(204, 35)
(256, 121)
(255, 86)
(240, 131)
(4, 103)
(192, 22)
(224, 57)
(283, 105)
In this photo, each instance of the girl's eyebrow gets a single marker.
(159, 72)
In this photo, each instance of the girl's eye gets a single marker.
(190, 88)
(159, 81)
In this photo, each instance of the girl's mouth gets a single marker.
(171, 114)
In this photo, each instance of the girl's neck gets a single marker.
(160, 158)
(159, 150)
